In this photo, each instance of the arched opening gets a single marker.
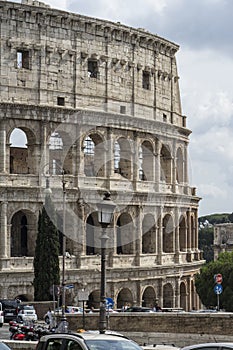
(165, 165)
(124, 298)
(23, 234)
(193, 236)
(92, 235)
(94, 299)
(22, 152)
(168, 233)
(182, 233)
(179, 166)
(149, 297)
(167, 296)
(125, 234)
(183, 296)
(94, 156)
(149, 235)
(146, 161)
(123, 158)
(60, 154)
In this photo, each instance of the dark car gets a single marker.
(86, 341)
(10, 309)
(138, 309)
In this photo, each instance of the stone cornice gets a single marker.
(44, 16)
(90, 117)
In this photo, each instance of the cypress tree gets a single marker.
(46, 260)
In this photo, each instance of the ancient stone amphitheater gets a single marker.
(89, 106)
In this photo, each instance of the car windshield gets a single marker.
(28, 307)
(120, 344)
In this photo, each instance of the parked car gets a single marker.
(27, 313)
(209, 346)
(1, 316)
(3, 346)
(138, 309)
(160, 347)
(86, 341)
(10, 309)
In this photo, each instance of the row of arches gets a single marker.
(155, 235)
(152, 159)
(170, 297)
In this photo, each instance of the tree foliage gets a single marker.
(46, 260)
(206, 239)
(205, 282)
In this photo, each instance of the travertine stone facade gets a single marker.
(99, 106)
(223, 239)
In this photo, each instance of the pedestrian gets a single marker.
(50, 316)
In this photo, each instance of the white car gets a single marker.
(27, 313)
(58, 312)
(209, 346)
(1, 316)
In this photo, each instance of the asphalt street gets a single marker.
(4, 332)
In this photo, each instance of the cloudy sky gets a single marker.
(204, 31)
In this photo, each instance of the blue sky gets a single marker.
(203, 30)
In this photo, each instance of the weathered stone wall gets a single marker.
(216, 323)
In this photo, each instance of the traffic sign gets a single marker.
(218, 278)
(69, 286)
(109, 302)
(218, 289)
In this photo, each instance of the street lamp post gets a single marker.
(63, 319)
(105, 214)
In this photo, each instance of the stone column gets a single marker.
(110, 155)
(2, 148)
(189, 231)
(177, 236)
(135, 165)
(160, 237)
(138, 235)
(3, 237)
(157, 165)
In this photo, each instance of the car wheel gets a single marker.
(1, 324)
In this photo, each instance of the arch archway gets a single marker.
(94, 299)
(149, 234)
(167, 295)
(149, 297)
(124, 297)
(165, 165)
(179, 166)
(182, 233)
(125, 234)
(168, 233)
(123, 158)
(183, 296)
(94, 155)
(22, 151)
(23, 233)
(146, 160)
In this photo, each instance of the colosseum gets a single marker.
(89, 106)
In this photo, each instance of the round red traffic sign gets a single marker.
(218, 278)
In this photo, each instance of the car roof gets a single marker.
(197, 346)
(88, 335)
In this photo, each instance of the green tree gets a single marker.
(205, 282)
(46, 260)
(206, 239)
